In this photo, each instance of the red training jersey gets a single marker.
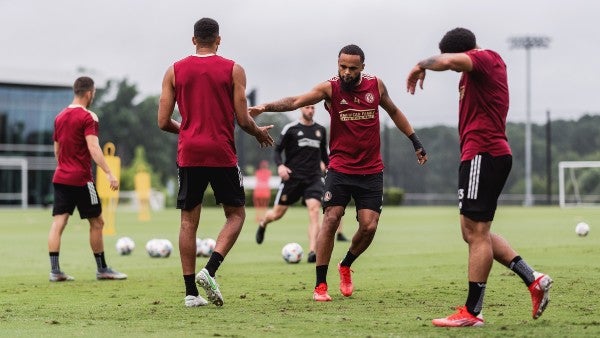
(262, 189)
(483, 106)
(204, 96)
(71, 126)
(355, 141)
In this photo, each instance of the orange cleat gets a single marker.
(320, 294)
(462, 317)
(346, 287)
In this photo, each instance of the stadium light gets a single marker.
(527, 43)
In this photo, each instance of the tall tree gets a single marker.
(129, 124)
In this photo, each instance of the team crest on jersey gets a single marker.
(327, 196)
(369, 97)
(343, 101)
(318, 133)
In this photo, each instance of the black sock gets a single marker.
(518, 266)
(100, 261)
(475, 298)
(190, 285)
(321, 274)
(349, 259)
(214, 262)
(54, 265)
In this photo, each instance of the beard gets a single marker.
(90, 103)
(348, 84)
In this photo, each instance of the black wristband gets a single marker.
(417, 143)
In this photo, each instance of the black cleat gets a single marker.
(341, 238)
(312, 257)
(260, 234)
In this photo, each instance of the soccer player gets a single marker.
(75, 146)
(261, 195)
(210, 92)
(486, 161)
(355, 167)
(304, 143)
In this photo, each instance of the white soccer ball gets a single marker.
(292, 252)
(152, 247)
(125, 245)
(582, 229)
(198, 244)
(207, 246)
(159, 248)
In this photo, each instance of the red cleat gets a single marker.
(320, 294)
(462, 317)
(540, 290)
(346, 286)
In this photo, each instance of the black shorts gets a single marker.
(226, 182)
(367, 190)
(293, 189)
(480, 182)
(85, 198)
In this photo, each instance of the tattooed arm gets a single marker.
(319, 93)
(458, 62)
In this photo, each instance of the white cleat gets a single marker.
(209, 284)
(195, 301)
(60, 277)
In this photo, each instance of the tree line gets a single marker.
(131, 123)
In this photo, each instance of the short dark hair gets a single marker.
(458, 40)
(206, 31)
(83, 84)
(353, 50)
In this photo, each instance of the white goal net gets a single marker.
(579, 183)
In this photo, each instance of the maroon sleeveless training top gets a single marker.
(355, 141)
(204, 95)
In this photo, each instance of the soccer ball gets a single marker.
(292, 252)
(159, 248)
(206, 247)
(125, 245)
(198, 245)
(582, 229)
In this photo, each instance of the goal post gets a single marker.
(18, 163)
(579, 183)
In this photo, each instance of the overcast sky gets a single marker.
(288, 46)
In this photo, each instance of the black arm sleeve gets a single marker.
(324, 153)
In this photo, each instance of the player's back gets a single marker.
(71, 126)
(204, 95)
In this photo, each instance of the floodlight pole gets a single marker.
(527, 43)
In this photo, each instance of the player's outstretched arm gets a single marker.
(319, 93)
(458, 62)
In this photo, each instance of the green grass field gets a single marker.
(414, 271)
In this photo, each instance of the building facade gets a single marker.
(27, 163)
